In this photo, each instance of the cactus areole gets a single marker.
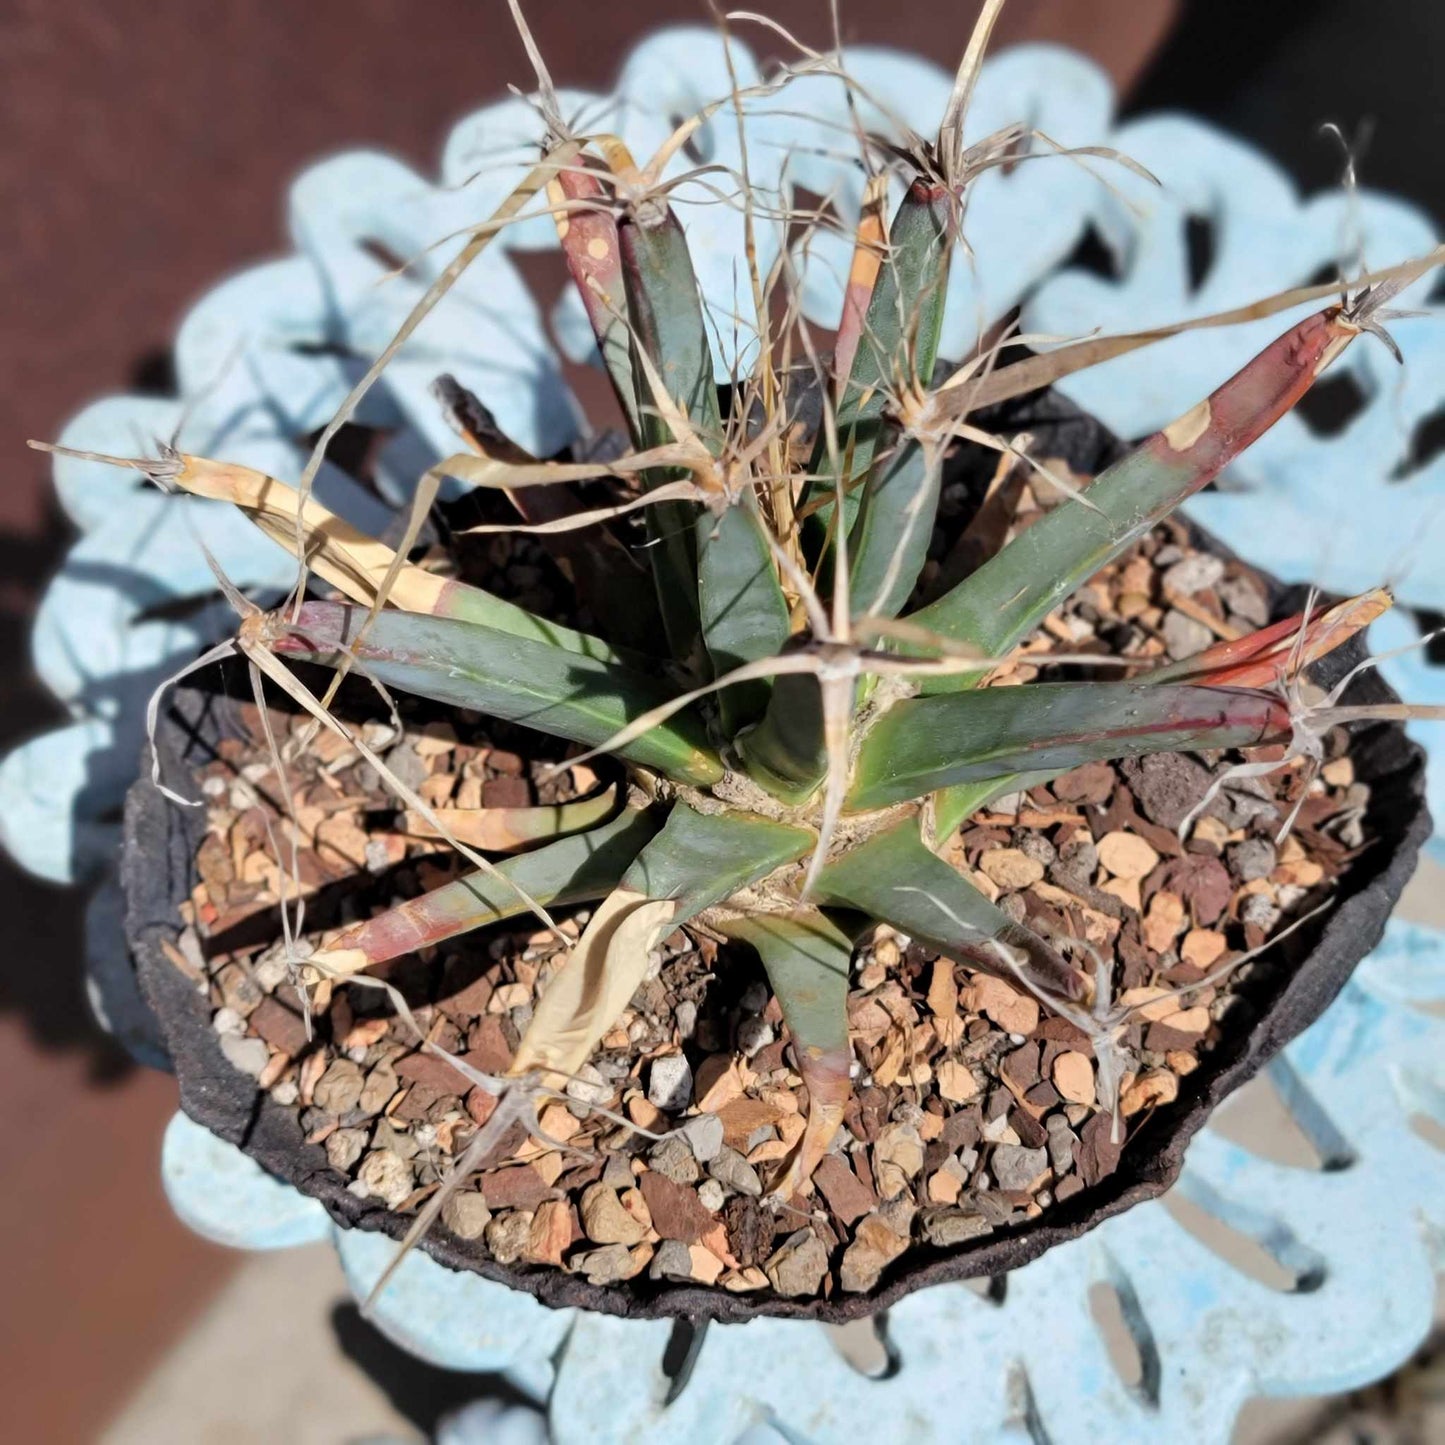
(800, 622)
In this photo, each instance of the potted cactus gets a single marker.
(1015, 941)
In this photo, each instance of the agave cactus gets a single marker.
(798, 755)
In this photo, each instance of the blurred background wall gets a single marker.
(145, 147)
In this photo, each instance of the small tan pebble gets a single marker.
(1304, 874)
(1150, 1002)
(507, 996)
(636, 1206)
(1074, 1077)
(885, 950)
(712, 1195)
(558, 1122)
(313, 1066)
(1010, 868)
(1126, 890)
(706, 1266)
(1212, 831)
(739, 1281)
(1340, 773)
(798, 1267)
(508, 1235)
(1126, 855)
(341, 837)
(1187, 1021)
(247, 1056)
(1130, 604)
(551, 1232)
(364, 1033)
(436, 791)
(609, 1265)
(999, 1131)
(1011, 1010)
(1163, 921)
(792, 1124)
(718, 1082)
(1181, 1062)
(930, 1127)
(436, 738)
(768, 1150)
(1157, 1086)
(645, 1114)
(378, 1090)
(239, 991)
(897, 1158)
(1201, 947)
(344, 1148)
(466, 1214)
(339, 1089)
(384, 1175)
(943, 990)
(983, 883)
(875, 1246)
(549, 1166)
(716, 1241)
(943, 1188)
(956, 1083)
(273, 1071)
(1016, 1169)
(872, 975)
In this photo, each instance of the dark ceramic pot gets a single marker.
(1285, 992)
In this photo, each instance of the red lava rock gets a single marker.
(418, 1102)
(481, 1105)
(1138, 958)
(1060, 1030)
(1201, 881)
(769, 1058)
(1021, 1067)
(435, 1073)
(1164, 841)
(848, 1197)
(506, 793)
(873, 1107)
(517, 1187)
(1032, 1134)
(962, 1129)
(487, 1046)
(1162, 1038)
(750, 1230)
(500, 761)
(1097, 1156)
(1067, 1187)
(1167, 785)
(1091, 783)
(466, 1000)
(677, 1212)
(281, 1027)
